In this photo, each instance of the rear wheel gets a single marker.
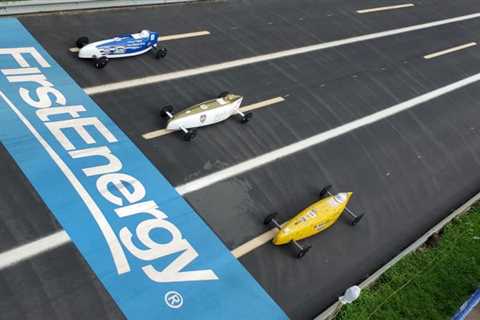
(101, 62)
(303, 251)
(82, 42)
(324, 191)
(190, 135)
(223, 94)
(161, 53)
(247, 116)
(163, 112)
(268, 219)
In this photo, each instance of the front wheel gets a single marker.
(101, 62)
(246, 117)
(303, 251)
(166, 110)
(324, 191)
(161, 53)
(357, 219)
(268, 219)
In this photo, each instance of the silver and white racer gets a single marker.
(204, 114)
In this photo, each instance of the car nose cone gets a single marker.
(88, 52)
(232, 98)
(282, 237)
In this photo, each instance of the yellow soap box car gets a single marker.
(313, 219)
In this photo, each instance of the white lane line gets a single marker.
(156, 134)
(21, 253)
(266, 57)
(168, 38)
(288, 150)
(400, 6)
(447, 51)
(184, 35)
(32, 249)
(261, 104)
(256, 242)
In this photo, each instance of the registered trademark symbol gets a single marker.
(173, 299)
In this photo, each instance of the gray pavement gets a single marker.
(407, 172)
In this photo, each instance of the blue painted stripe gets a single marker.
(153, 253)
(468, 306)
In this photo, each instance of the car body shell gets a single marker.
(313, 219)
(120, 46)
(206, 113)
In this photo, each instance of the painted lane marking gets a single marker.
(277, 154)
(184, 35)
(156, 134)
(256, 242)
(32, 249)
(262, 104)
(265, 57)
(60, 238)
(400, 6)
(447, 51)
(258, 105)
(29, 250)
(167, 38)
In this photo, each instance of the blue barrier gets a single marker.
(152, 252)
(468, 306)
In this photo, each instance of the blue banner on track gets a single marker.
(154, 254)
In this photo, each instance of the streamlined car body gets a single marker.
(204, 114)
(313, 219)
(120, 46)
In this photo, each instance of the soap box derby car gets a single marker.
(204, 114)
(120, 46)
(312, 220)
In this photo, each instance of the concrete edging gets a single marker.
(328, 313)
(43, 6)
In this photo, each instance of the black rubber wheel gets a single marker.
(163, 112)
(82, 42)
(324, 191)
(247, 117)
(303, 252)
(190, 135)
(357, 219)
(161, 53)
(101, 62)
(223, 94)
(268, 219)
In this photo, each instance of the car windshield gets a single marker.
(141, 34)
(340, 197)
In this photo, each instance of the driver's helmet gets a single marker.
(145, 33)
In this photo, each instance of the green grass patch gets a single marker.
(431, 283)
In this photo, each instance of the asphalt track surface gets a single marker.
(407, 172)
